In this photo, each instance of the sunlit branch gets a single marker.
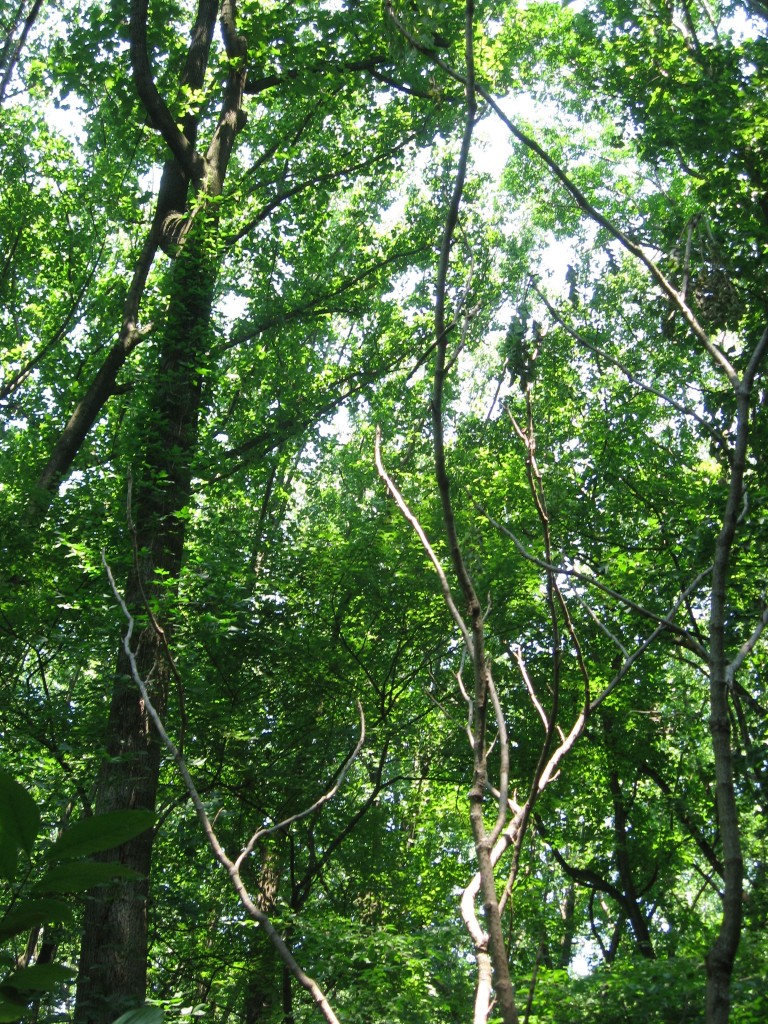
(503, 796)
(470, 709)
(411, 519)
(516, 653)
(630, 659)
(328, 795)
(602, 626)
(746, 648)
(754, 361)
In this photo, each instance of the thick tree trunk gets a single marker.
(112, 975)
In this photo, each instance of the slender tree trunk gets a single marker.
(113, 958)
(624, 866)
(568, 914)
(722, 953)
(9, 57)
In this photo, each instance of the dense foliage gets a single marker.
(383, 511)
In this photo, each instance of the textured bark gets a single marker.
(172, 199)
(113, 963)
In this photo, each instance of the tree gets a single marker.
(192, 382)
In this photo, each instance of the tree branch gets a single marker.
(159, 114)
(232, 867)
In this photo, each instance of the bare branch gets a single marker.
(754, 363)
(329, 795)
(602, 627)
(503, 794)
(746, 648)
(517, 654)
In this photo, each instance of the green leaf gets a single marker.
(33, 913)
(10, 1011)
(19, 823)
(102, 832)
(37, 978)
(82, 875)
(144, 1015)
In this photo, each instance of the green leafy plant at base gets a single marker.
(40, 904)
(144, 1015)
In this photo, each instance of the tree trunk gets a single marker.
(568, 914)
(623, 865)
(722, 953)
(113, 958)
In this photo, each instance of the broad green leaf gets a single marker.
(11, 1011)
(33, 913)
(38, 978)
(19, 823)
(82, 875)
(101, 832)
(144, 1015)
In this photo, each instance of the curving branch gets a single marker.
(411, 519)
(157, 110)
(9, 57)
(233, 867)
(490, 949)
(102, 386)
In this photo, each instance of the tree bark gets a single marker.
(722, 953)
(624, 866)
